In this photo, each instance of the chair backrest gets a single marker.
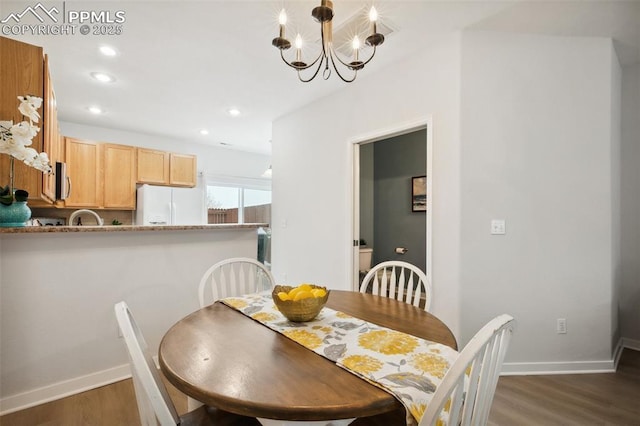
(154, 404)
(399, 280)
(233, 277)
(468, 387)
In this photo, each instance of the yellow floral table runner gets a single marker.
(408, 367)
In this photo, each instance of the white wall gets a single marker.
(523, 128)
(537, 151)
(630, 198)
(313, 170)
(58, 332)
(212, 160)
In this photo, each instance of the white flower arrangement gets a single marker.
(16, 139)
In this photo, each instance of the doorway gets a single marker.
(386, 223)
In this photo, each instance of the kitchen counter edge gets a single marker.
(130, 228)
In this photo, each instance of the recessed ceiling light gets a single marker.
(204, 132)
(108, 51)
(234, 112)
(102, 77)
(95, 110)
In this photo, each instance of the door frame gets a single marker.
(354, 156)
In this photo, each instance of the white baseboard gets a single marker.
(572, 367)
(631, 344)
(547, 368)
(62, 389)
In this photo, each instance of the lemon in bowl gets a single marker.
(302, 303)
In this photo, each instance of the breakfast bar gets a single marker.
(58, 285)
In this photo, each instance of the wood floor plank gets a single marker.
(562, 400)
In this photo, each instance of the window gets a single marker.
(237, 204)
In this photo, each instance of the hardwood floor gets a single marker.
(111, 405)
(580, 399)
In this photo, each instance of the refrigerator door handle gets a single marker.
(172, 213)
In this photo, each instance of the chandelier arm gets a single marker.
(299, 68)
(370, 57)
(346, 80)
(348, 65)
(315, 73)
(323, 55)
(333, 54)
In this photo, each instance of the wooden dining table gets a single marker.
(221, 357)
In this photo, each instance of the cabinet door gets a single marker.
(51, 133)
(84, 168)
(21, 71)
(183, 170)
(119, 177)
(153, 166)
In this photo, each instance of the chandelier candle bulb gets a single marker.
(298, 48)
(373, 17)
(283, 21)
(356, 47)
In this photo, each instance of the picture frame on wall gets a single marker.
(419, 194)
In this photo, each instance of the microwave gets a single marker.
(63, 183)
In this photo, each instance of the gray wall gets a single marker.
(396, 161)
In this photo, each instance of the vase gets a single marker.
(14, 215)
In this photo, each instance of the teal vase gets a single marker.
(14, 215)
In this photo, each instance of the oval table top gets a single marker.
(221, 357)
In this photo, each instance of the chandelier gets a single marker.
(327, 56)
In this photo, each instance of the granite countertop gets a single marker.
(130, 228)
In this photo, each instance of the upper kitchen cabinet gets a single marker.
(153, 167)
(102, 175)
(119, 177)
(53, 141)
(166, 168)
(182, 170)
(22, 72)
(84, 168)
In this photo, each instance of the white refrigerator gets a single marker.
(165, 205)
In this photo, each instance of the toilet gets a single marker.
(365, 258)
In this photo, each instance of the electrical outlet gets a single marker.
(561, 326)
(498, 227)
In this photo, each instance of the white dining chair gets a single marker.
(468, 387)
(233, 277)
(399, 280)
(154, 404)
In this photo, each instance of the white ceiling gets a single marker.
(183, 64)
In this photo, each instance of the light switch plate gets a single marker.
(498, 227)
